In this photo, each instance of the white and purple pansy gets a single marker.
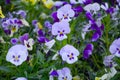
(17, 54)
(25, 40)
(69, 54)
(115, 47)
(65, 13)
(60, 29)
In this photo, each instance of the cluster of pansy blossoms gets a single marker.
(60, 40)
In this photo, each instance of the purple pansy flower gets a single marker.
(115, 47)
(14, 40)
(53, 73)
(69, 54)
(64, 74)
(88, 51)
(60, 29)
(98, 27)
(65, 13)
(24, 37)
(41, 37)
(108, 61)
(17, 54)
(78, 10)
(89, 16)
(54, 16)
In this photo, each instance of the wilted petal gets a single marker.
(49, 45)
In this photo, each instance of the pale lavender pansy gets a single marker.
(17, 54)
(65, 13)
(64, 74)
(108, 61)
(21, 78)
(92, 8)
(60, 29)
(69, 54)
(115, 47)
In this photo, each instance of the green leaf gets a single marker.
(4, 68)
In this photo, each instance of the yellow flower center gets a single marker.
(71, 55)
(65, 16)
(16, 58)
(61, 32)
(14, 29)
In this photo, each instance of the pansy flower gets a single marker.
(65, 13)
(108, 61)
(29, 43)
(41, 37)
(1, 14)
(69, 54)
(115, 47)
(12, 25)
(109, 10)
(24, 39)
(53, 73)
(14, 41)
(64, 74)
(60, 29)
(98, 27)
(21, 78)
(17, 54)
(88, 51)
(93, 8)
